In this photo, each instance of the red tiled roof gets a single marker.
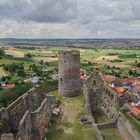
(135, 110)
(108, 78)
(132, 80)
(10, 86)
(127, 93)
(119, 90)
(137, 87)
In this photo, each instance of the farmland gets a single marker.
(18, 64)
(91, 59)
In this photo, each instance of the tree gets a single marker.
(28, 55)
(11, 67)
(41, 62)
(2, 53)
(3, 78)
(108, 67)
(130, 72)
(89, 63)
(21, 72)
(47, 63)
(138, 65)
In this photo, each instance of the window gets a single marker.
(94, 82)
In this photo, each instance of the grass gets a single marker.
(3, 72)
(111, 134)
(68, 127)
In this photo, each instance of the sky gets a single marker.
(69, 18)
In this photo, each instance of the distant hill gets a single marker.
(81, 43)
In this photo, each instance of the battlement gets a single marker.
(71, 52)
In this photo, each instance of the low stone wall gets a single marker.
(106, 125)
(126, 129)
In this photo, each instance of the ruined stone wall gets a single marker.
(4, 121)
(41, 118)
(109, 104)
(8, 136)
(11, 116)
(126, 129)
(15, 111)
(25, 127)
(33, 125)
(69, 73)
(101, 96)
(98, 95)
(92, 88)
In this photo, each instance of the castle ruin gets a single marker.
(100, 96)
(28, 117)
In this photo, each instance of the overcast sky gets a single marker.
(70, 18)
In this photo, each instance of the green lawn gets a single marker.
(68, 127)
(111, 134)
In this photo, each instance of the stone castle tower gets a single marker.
(69, 73)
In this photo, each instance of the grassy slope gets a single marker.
(69, 128)
(111, 134)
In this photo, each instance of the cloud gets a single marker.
(38, 10)
(69, 18)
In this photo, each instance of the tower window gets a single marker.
(94, 82)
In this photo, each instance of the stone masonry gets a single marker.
(28, 117)
(69, 73)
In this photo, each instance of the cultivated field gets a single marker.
(45, 59)
(14, 53)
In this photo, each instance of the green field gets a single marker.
(86, 54)
(109, 61)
